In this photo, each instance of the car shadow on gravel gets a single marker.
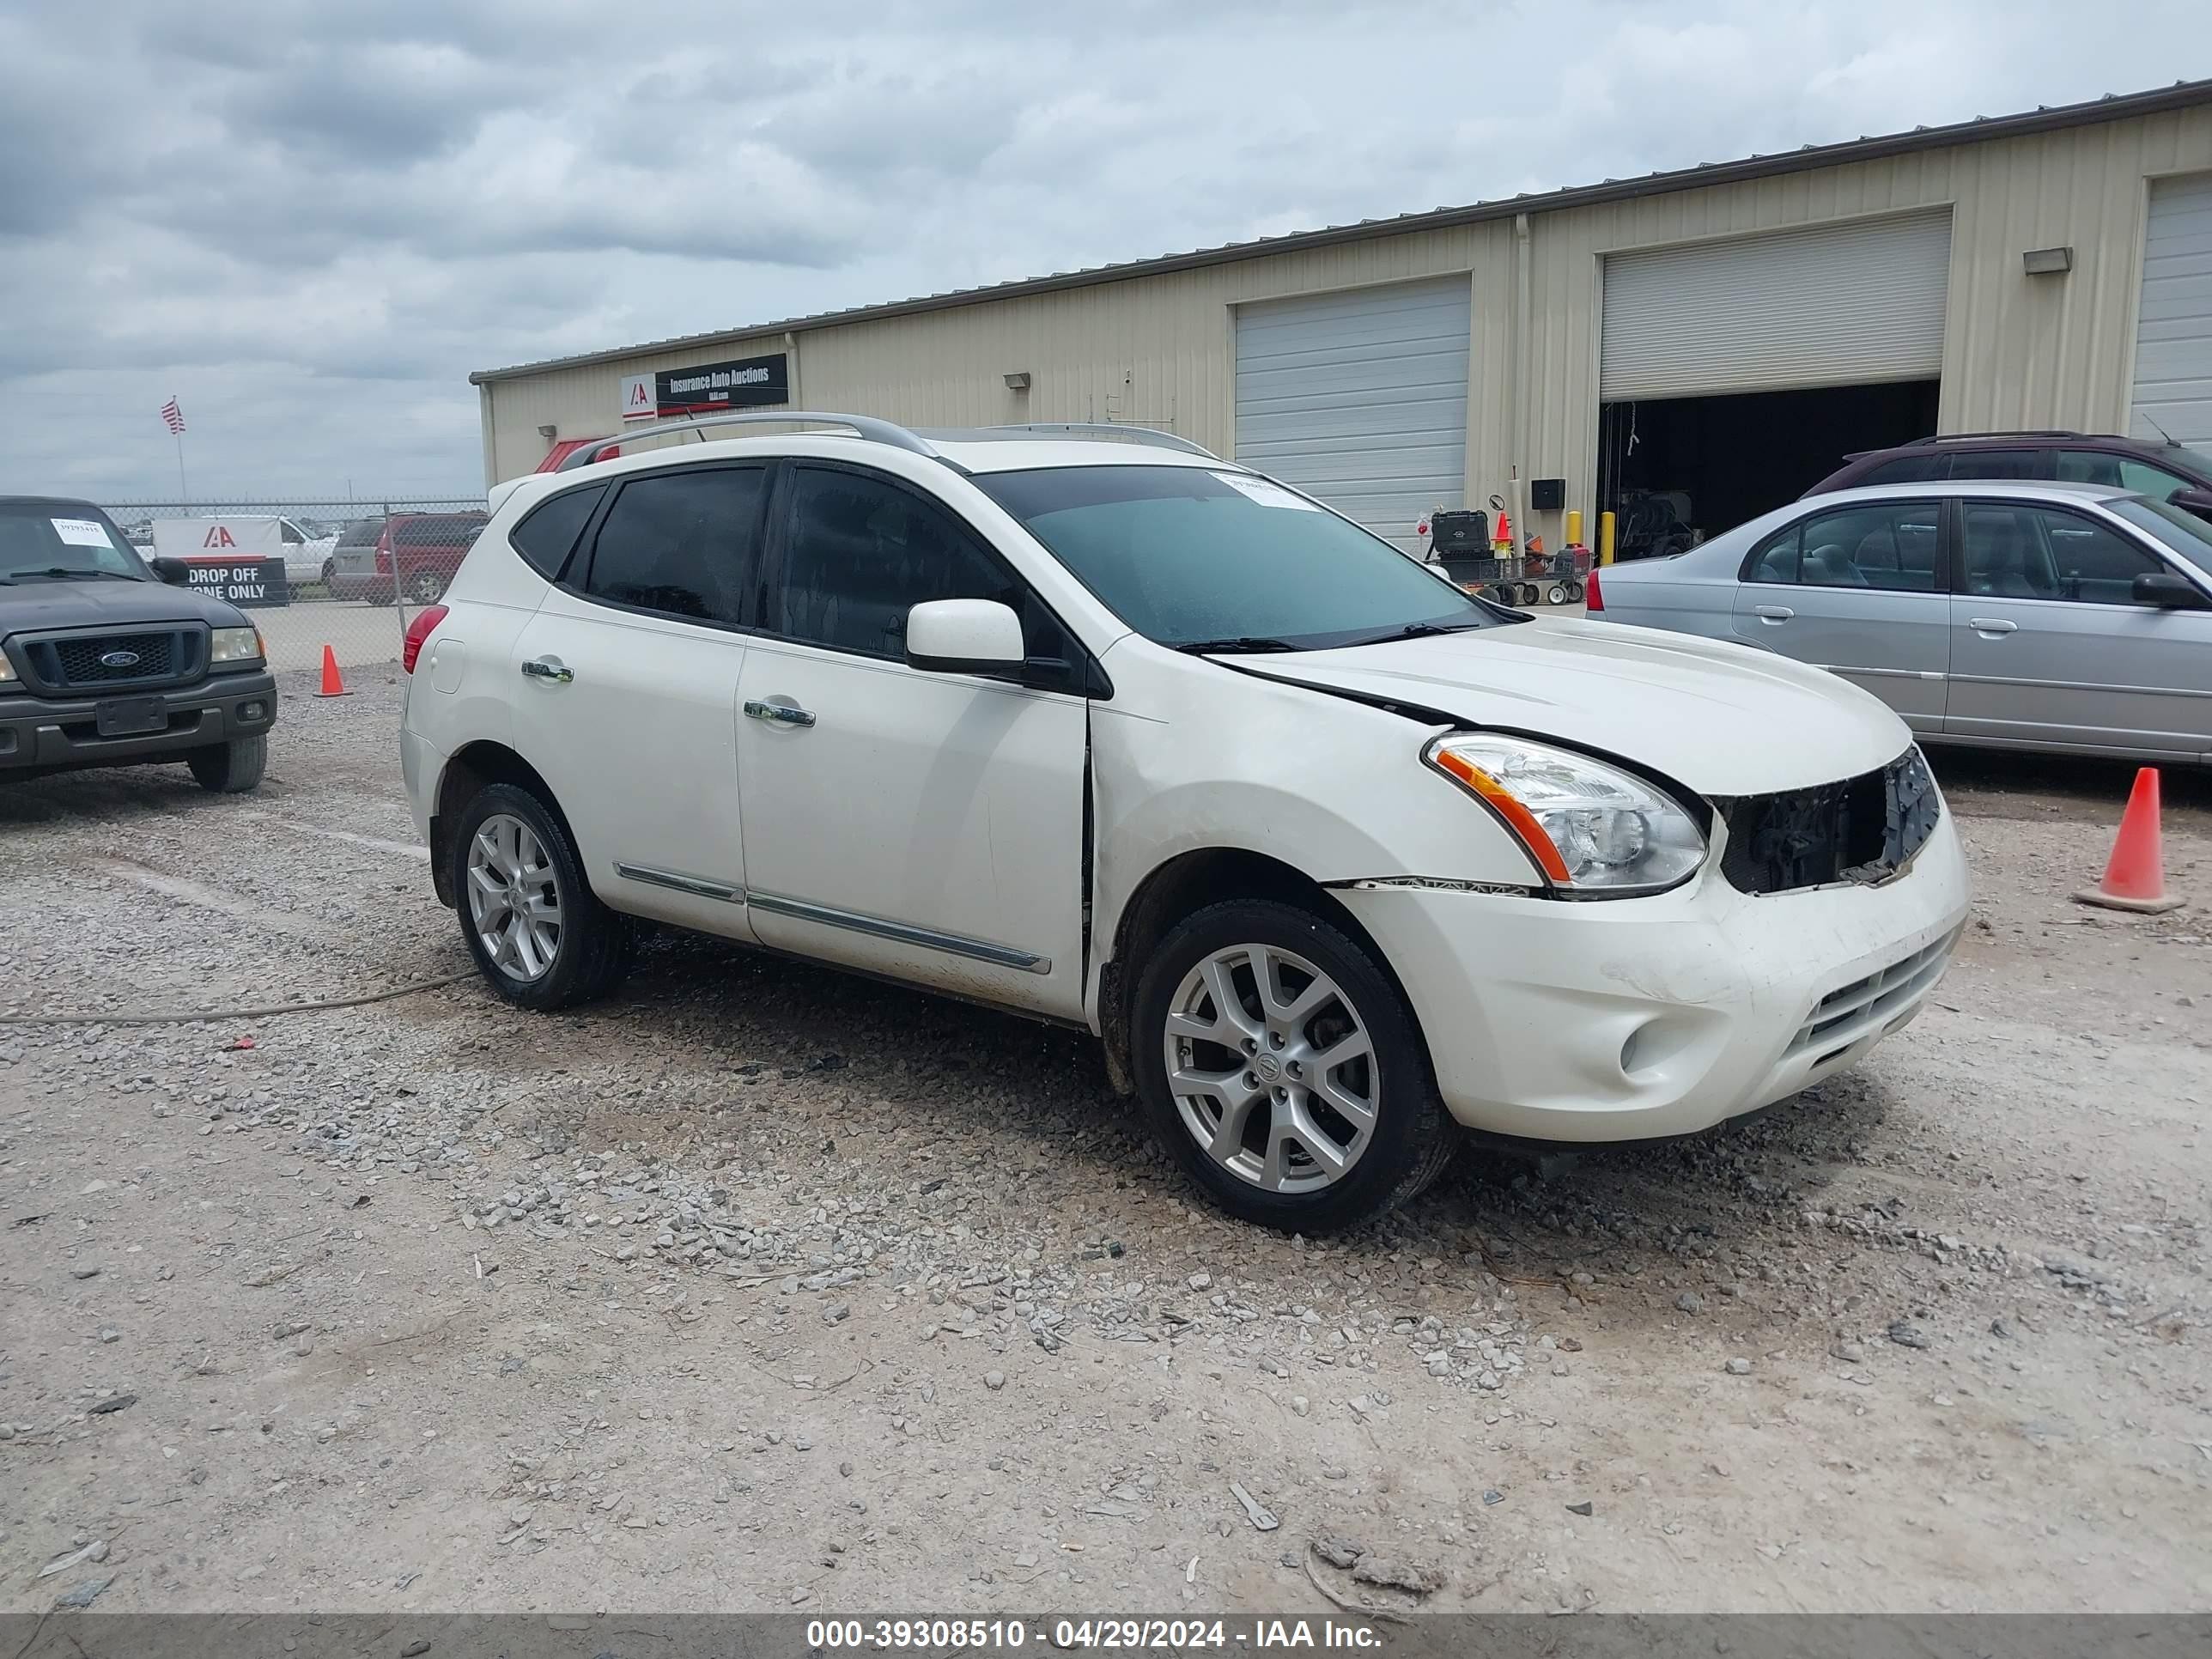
(1726, 1190)
(109, 795)
(1012, 1095)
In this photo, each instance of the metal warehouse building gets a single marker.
(1718, 337)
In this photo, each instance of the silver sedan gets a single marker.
(2007, 614)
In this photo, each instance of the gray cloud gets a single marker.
(309, 219)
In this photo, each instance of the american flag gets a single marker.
(173, 416)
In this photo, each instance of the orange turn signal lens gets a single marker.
(1518, 819)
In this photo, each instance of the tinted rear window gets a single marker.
(1997, 463)
(548, 530)
(685, 544)
(1922, 468)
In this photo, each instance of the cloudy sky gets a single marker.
(309, 221)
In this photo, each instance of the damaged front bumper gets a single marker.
(1639, 1019)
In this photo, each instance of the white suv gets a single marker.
(1332, 856)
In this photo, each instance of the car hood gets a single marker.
(26, 607)
(1724, 719)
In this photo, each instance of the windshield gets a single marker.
(55, 541)
(1187, 556)
(2177, 527)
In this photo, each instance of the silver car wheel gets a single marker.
(514, 897)
(1271, 1068)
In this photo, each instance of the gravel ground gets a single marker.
(761, 1288)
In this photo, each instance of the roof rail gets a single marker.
(865, 427)
(1142, 434)
(1970, 437)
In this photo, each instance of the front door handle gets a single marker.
(1991, 624)
(548, 668)
(1773, 613)
(783, 714)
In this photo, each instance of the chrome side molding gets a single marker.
(1003, 955)
(698, 886)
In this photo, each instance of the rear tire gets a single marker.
(539, 935)
(425, 587)
(231, 768)
(1252, 1135)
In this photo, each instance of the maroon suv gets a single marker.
(2165, 472)
(418, 553)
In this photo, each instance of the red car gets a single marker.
(418, 552)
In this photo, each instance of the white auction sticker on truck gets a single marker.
(1265, 491)
(82, 533)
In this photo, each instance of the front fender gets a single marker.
(1331, 786)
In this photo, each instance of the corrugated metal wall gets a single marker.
(1826, 305)
(2019, 352)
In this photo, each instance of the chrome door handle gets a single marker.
(545, 668)
(783, 714)
(1773, 613)
(1991, 624)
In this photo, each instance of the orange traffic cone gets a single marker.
(332, 685)
(2135, 879)
(1503, 540)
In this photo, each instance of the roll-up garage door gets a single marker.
(2174, 330)
(1360, 399)
(1839, 305)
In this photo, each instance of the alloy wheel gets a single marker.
(1272, 1070)
(514, 897)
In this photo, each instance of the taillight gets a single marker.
(384, 551)
(426, 621)
(1593, 596)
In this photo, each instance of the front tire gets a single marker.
(231, 768)
(540, 937)
(1282, 1069)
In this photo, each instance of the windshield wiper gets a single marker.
(1243, 642)
(1422, 631)
(64, 573)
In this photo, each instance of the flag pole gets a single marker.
(181, 489)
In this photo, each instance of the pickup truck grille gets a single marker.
(1864, 830)
(98, 662)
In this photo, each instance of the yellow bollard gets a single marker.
(1605, 529)
(1574, 526)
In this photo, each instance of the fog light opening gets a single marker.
(1652, 1044)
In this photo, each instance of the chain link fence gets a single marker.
(347, 574)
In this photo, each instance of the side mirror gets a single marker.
(965, 636)
(172, 571)
(2168, 592)
(2192, 500)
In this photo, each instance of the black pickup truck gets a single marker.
(104, 663)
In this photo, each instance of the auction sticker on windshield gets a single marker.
(80, 533)
(1265, 491)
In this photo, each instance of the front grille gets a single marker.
(1865, 829)
(78, 662)
(1849, 1012)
